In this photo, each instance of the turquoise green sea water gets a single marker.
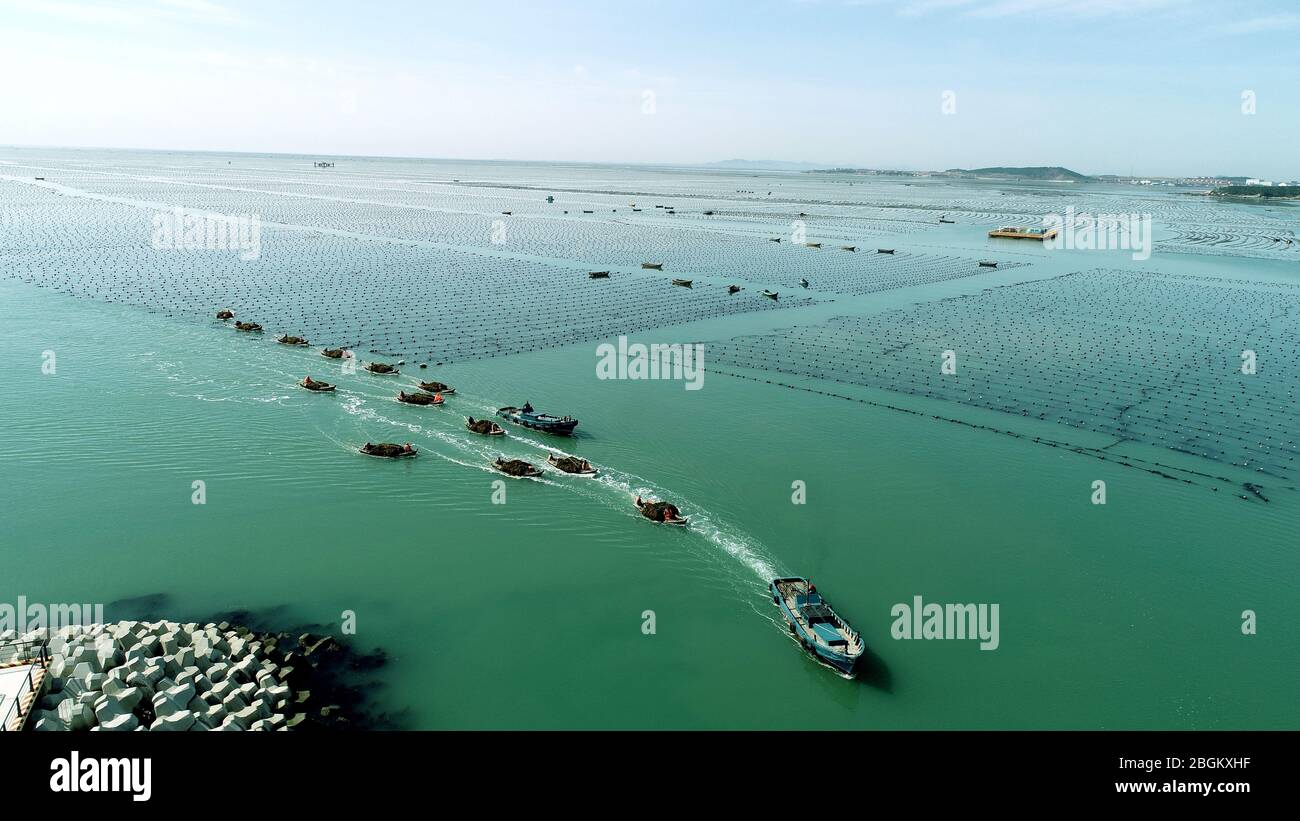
(529, 614)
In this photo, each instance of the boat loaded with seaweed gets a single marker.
(517, 468)
(316, 385)
(484, 426)
(572, 465)
(664, 513)
(437, 387)
(419, 398)
(388, 450)
(819, 629)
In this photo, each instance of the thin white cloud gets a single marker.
(920, 8)
(1261, 25)
(994, 9)
(129, 14)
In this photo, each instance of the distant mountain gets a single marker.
(1041, 172)
(763, 165)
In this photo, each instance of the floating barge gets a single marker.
(1016, 232)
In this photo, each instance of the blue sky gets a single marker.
(1103, 86)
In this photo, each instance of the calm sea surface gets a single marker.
(529, 614)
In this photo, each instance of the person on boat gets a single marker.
(437, 397)
(308, 381)
(527, 408)
(812, 588)
(406, 448)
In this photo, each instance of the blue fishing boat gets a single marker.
(544, 422)
(819, 629)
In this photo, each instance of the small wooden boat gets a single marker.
(663, 513)
(682, 283)
(225, 314)
(484, 426)
(251, 327)
(544, 422)
(812, 245)
(507, 213)
(772, 295)
(820, 630)
(988, 263)
(517, 468)
(334, 353)
(598, 275)
(733, 289)
(884, 250)
(296, 341)
(653, 266)
(388, 450)
(851, 248)
(803, 283)
(314, 385)
(945, 221)
(381, 369)
(774, 239)
(437, 387)
(419, 398)
(572, 465)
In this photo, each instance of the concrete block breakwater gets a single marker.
(169, 676)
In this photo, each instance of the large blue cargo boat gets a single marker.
(545, 422)
(818, 628)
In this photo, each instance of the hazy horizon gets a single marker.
(753, 165)
(1143, 87)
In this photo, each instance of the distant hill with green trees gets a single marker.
(1268, 192)
(1054, 173)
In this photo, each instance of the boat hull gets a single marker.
(410, 455)
(535, 473)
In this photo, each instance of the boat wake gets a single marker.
(440, 433)
(445, 437)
